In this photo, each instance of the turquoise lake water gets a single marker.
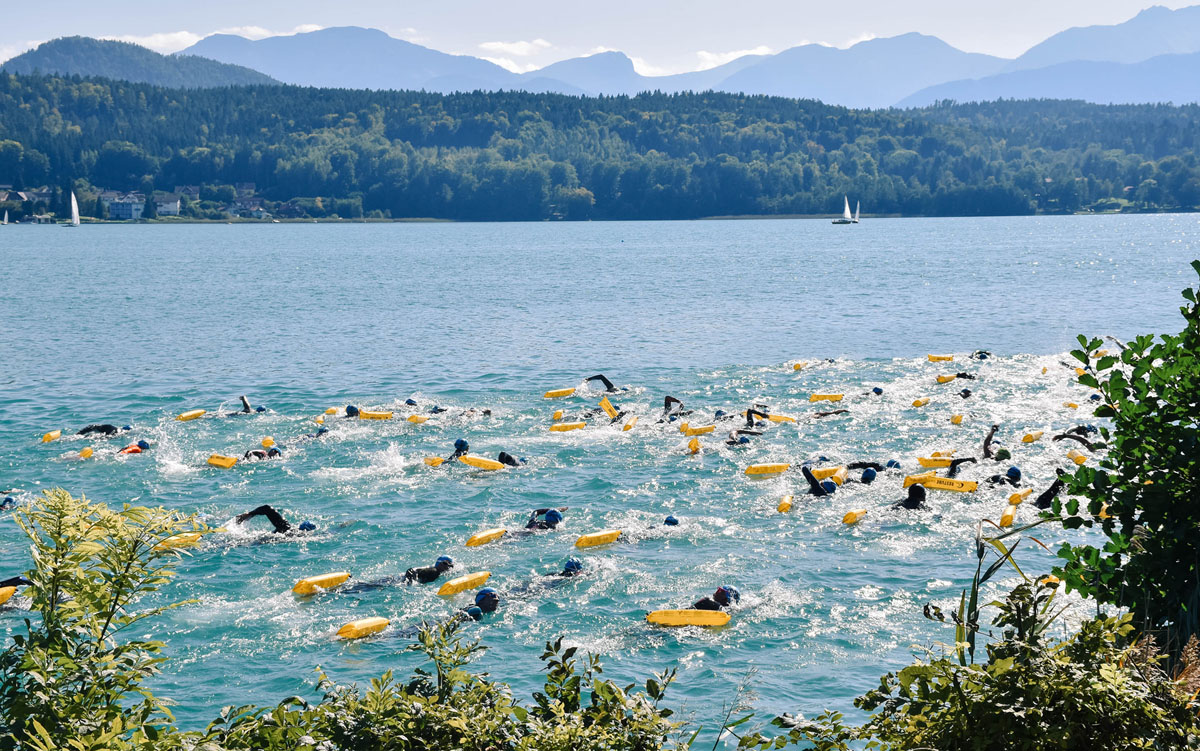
(135, 324)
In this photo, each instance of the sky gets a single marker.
(661, 36)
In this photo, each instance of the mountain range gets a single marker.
(1152, 57)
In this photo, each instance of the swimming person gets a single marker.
(461, 447)
(16, 581)
(1011, 477)
(136, 448)
(259, 454)
(104, 429)
(1001, 453)
(965, 393)
(1044, 500)
(915, 500)
(8, 503)
(608, 385)
(824, 487)
(952, 470)
(673, 408)
(247, 409)
(572, 567)
(740, 437)
(670, 521)
(550, 519)
(725, 596)
(819, 415)
(487, 600)
(874, 392)
(1077, 434)
(965, 376)
(427, 574)
(351, 410)
(277, 521)
(980, 354)
(321, 431)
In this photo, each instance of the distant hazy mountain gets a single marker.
(355, 58)
(1167, 78)
(128, 62)
(874, 73)
(1153, 32)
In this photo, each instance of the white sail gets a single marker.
(5, 217)
(856, 205)
(74, 210)
(846, 211)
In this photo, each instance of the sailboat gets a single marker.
(846, 217)
(74, 212)
(5, 217)
(856, 205)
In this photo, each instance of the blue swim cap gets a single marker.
(1013, 473)
(143, 445)
(322, 430)
(260, 408)
(1095, 397)
(671, 521)
(731, 592)
(461, 445)
(351, 410)
(436, 409)
(127, 427)
(719, 413)
(671, 418)
(484, 594)
(829, 486)
(877, 391)
(573, 564)
(868, 475)
(892, 464)
(743, 439)
(822, 458)
(444, 559)
(474, 612)
(553, 516)
(411, 402)
(1092, 428)
(307, 526)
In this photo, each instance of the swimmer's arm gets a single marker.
(608, 385)
(16, 581)
(987, 442)
(1043, 500)
(751, 414)
(1117, 342)
(834, 412)
(273, 516)
(668, 401)
(865, 465)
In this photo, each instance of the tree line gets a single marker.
(526, 156)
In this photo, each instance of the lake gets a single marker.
(135, 324)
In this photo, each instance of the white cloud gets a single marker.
(517, 49)
(512, 65)
(167, 42)
(646, 69)
(868, 36)
(9, 51)
(713, 59)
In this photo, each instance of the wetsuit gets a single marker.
(706, 603)
(424, 574)
(608, 385)
(254, 454)
(1075, 435)
(738, 437)
(1003, 480)
(915, 500)
(752, 414)
(673, 407)
(536, 523)
(834, 412)
(965, 393)
(509, 459)
(814, 487)
(987, 442)
(565, 573)
(865, 465)
(956, 463)
(459, 452)
(966, 376)
(277, 521)
(1044, 500)
(16, 581)
(104, 429)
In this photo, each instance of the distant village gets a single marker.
(48, 205)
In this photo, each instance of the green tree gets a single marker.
(150, 208)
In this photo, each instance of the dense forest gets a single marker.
(523, 156)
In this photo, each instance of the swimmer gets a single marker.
(824, 487)
(819, 415)
(428, 574)
(572, 567)
(461, 447)
(136, 448)
(608, 385)
(550, 518)
(1044, 500)
(1011, 477)
(670, 521)
(1077, 434)
(980, 354)
(351, 411)
(874, 392)
(16, 581)
(247, 409)
(1001, 453)
(487, 600)
(965, 393)
(104, 429)
(260, 454)
(756, 414)
(964, 376)
(725, 596)
(8, 503)
(277, 521)
(673, 408)
(915, 500)
(740, 437)
(952, 470)
(321, 431)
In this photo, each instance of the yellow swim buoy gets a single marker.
(825, 397)
(1079, 371)
(602, 537)
(1044, 371)
(556, 393)
(1070, 405)
(478, 462)
(1006, 518)
(934, 482)
(181, 540)
(331, 411)
(853, 517)
(785, 505)
(434, 461)
(564, 427)
(940, 358)
(1016, 498)
(558, 414)
(920, 402)
(781, 418)
(86, 453)
(319, 419)
(1077, 456)
(365, 415)
(767, 469)
(1104, 512)
(1032, 437)
(418, 419)
(6, 594)
(676, 618)
(956, 419)
(934, 461)
(694, 445)
(224, 462)
(463, 583)
(946, 378)
(190, 415)
(268, 442)
(943, 454)
(799, 366)
(1049, 579)
(486, 536)
(608, 408)
(53, 435)
(702, 430)
(826, 472)
(629, 425)
(363, 627)
(311, 584)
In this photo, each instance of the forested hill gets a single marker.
(533, 156)
(129, 62)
